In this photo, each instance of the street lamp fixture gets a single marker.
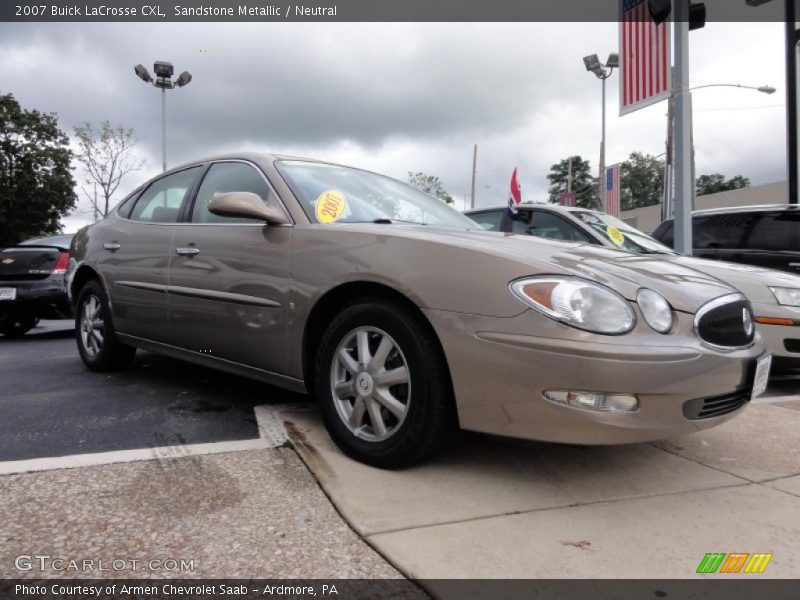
(163, 81)
(602, 72)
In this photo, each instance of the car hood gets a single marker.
(686, 288)
(753, 282)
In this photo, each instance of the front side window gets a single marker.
(546, 225)
(490, 220)
(161, 202)
(333, 194)
(223, 178)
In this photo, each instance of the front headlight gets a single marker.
(786, 296)
(656, 310)
(576, 302)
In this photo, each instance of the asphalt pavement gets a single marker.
(52, 405)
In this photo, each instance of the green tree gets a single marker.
(711, 184)
(430, 184)
(584, 184)
(641, 181)
(36, 185)
(107, 156)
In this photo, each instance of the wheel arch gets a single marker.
(82, 276)
(346, 294)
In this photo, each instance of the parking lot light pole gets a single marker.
(602, 72)
(163, 71)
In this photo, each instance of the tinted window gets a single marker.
(222, 178)
(667, 235)
(721, 231)
(775, 232)
(546, 225)
(491, 220)
(161, 202)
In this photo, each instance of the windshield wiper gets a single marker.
(387, 221)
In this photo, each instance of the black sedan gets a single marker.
(32, 283)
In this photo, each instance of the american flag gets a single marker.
(612, 190)
(644, 58)
(514, 194)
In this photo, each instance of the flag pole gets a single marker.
(474, 168)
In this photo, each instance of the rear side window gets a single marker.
(161, 202)
(721, 231)
(777, 231)
(491, 220)
(222, 178)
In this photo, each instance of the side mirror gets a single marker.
(246, 205)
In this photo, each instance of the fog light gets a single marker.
(599, 401)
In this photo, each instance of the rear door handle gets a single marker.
(111, 246)
(190, 251)
(795, 265)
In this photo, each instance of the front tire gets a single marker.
(97, 341)
(383, 386)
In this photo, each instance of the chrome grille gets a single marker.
(726, 322)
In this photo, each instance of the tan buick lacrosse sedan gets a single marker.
(401, 316)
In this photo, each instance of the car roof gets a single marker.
(553, 207)
(59, 241)
(751, 208)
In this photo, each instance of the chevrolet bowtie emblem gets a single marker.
(8, 261)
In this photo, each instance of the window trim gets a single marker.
(190, 193)
(186, 215)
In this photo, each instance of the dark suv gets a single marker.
(764, 236)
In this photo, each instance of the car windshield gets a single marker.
(335, 194)
(619, 233)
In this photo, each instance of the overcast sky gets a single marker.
(397, 97)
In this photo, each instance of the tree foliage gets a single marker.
(711, 184)
(36, 185)
(430, 184)
(584, 184)
(641, 181)
(107, 156)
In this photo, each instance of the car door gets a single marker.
(135, 255)
(228, 285)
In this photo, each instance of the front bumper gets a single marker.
(501, 366)
(43, 298)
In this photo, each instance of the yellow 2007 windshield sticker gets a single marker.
(615, 235)
(330, 206)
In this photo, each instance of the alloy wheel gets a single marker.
(92, 326)
(370, 384)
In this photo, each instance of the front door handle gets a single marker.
(190, 251)
(111, 246)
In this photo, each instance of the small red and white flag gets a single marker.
(515, 194)
(612, 190)
(644, 77)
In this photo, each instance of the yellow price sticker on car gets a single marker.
(615, 235)
(330, 206)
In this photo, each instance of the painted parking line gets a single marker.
(271, 435)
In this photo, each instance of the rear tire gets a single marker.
(14, 326)
(97, 340)
(383, 386)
